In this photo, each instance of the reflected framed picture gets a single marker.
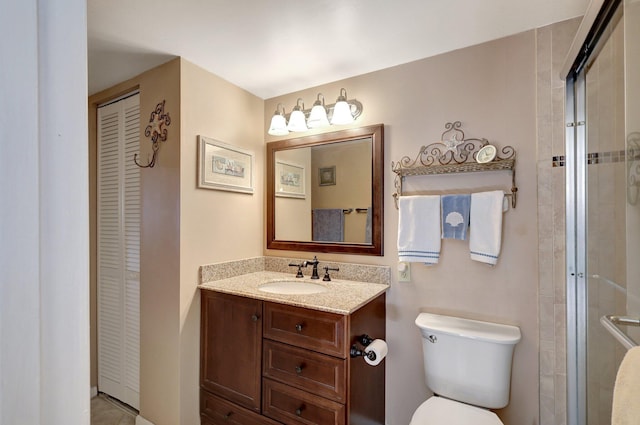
(327, 176)
(289, 180)
(224, 167)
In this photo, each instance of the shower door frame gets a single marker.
(576, 206)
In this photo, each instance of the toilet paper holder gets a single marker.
(365, 340)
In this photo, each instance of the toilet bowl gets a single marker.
(442, 411)
(467, 364)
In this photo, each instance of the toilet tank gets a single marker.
(468, 360)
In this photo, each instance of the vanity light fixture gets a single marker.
(344, 111)
(318, 115)
(297, 120)
(278, 125)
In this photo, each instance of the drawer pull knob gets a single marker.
(299, 369)
(299, 410)
(254, 318)
(299, 327)
(228, 416)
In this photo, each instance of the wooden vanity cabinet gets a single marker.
(291, 365)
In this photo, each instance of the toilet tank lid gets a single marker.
(467, 328)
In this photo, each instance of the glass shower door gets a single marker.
(605, 210)
(603, 276)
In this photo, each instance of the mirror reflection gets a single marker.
(324, 192)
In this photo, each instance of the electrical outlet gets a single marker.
(404, 272)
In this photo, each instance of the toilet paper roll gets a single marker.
(377, 347)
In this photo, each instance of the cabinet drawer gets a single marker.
(218, 411)
(293, 406)
(316, 330)
(310, 371)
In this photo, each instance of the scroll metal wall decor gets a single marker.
(158, 132)
(454, 153)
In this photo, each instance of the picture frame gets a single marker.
(289, 180)
(327, 176)
(222, 166)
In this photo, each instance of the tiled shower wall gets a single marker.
(552, 44)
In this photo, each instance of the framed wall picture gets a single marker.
(327, 176)
(289, 180)
(224, 167)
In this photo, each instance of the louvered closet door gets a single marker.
(119, 250)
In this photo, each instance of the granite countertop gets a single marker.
(342, 297)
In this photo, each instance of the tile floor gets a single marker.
(107, 411)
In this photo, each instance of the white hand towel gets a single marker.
(626, 391)
(419, 229)
(485, 229)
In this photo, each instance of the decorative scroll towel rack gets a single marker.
(454, 154)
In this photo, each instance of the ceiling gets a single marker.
(271, 48)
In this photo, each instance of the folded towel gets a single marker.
(625, 409)
(485, 230)
(419, 229)
(328, 225)
(455, 216)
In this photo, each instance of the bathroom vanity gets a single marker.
(271, 358)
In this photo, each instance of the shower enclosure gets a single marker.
(603, 208)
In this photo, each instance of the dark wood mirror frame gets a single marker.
(376, 132)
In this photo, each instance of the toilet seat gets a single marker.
(441, 411)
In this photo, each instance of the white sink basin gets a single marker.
(292, 287)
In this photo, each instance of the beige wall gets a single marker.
(184, 227)
(214, 225)
(293, 215)
(159, 247)
(159, 244)
(491, 88)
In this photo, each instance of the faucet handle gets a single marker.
(326, 277)
(299, 266)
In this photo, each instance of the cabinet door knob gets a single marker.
(254, 318)
(299, 369)
(299, 327)
(299, 410)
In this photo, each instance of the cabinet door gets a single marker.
(231, 344)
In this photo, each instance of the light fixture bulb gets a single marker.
(318, 115)
(278, 125)
(297, 120)
(342, 110)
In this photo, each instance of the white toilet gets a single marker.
(467, 364)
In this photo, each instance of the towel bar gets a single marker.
(610, 323)
(358, 210)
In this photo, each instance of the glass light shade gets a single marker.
(341, 113)
(278, 126)
(318, 117)
(297, 121)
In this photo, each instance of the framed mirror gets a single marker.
(324, 192)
